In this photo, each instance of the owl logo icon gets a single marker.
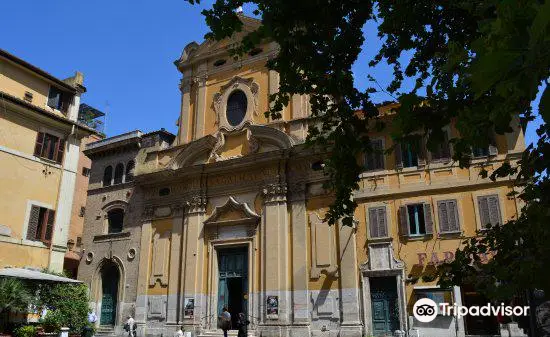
(425, 310)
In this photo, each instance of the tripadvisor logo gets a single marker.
(425, 310)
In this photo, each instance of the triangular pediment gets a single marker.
(232, 212)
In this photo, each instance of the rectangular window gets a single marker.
(41, 222)
(437, 295)
(448, 216)
(86, 171)
(416, 219)
(375, 159)
(55, 98)
(378, 226)
(489, 210)
(49, 147)
(409, 154)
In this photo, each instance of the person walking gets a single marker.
(242, 324)
(179, 333)
(92, 317)
(225, 321)
(130, 327)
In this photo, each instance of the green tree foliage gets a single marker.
(67, 304)
(479, 64)
(25, 331)
(14, 295)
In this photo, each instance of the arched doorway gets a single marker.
(110, 278)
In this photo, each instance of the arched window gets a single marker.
(119, 173)
(107, 176)
(115, 218)
(130, 171)
(236, 107)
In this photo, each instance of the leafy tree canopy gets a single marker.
(479, 64)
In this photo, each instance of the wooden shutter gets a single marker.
(48, 233)
(443, 216)
(448, 216)
(382, 223)
(39, 144)
(454, 220)
(428, 220)
(379, 154)
(369, 161)
(60, 150)
(34, 218)
(398, 157)
(373, 222)
(484, 216)
(494, 210)
(404, 220)
(377, 222)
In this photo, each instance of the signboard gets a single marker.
(272, 307)
(189, 308)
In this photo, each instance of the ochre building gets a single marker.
(229, 212)
(40, 137)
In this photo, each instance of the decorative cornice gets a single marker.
(275, 192)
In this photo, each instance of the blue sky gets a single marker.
(126, 49)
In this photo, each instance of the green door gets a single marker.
(110, 278)
(233, 281)
(385, 307)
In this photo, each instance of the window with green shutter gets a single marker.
(489, 210)
(378, 224)
(449, 221)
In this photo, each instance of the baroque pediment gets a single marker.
(233, 212)
(227, 145)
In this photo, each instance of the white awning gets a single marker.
(29, 274)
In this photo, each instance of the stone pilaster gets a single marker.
(275, 260)
(300, 291)
(200, 106)
(193, 259)
(350, 325)
(143, 273)
(175, 260)
(184, 120)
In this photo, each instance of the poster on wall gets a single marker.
(189, 308)
(272, 307)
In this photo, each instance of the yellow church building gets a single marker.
(229, 212)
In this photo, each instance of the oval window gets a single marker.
(236, 107)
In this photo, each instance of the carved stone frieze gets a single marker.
(196, 204)
(275, 192)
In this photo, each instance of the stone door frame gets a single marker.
(213, 277)
(382, 263)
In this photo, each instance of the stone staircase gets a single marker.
(105, 330)
(219, 333)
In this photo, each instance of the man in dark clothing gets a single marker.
(242, 324)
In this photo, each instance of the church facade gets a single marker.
(229, 212)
